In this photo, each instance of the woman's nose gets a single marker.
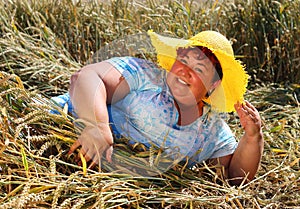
(185, 71)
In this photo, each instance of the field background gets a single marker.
(43, 42)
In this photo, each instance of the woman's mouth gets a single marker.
(182, 82)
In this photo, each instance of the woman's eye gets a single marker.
(183, 61)
(198, 70)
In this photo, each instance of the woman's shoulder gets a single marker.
(136, 65)
(139, 72)
(133, 61)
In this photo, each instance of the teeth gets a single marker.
(181, 81)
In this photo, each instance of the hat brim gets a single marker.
(234, 81)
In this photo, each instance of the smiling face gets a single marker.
(192, 75)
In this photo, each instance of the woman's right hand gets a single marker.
(92, 88)
(94, 141)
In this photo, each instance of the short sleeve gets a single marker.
(226, 143)
(63, 101)
(140, 74)
(215, 139)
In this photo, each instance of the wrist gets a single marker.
(106, 131)
(103, 125)
(257, 137)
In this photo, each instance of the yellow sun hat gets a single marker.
(235, 79)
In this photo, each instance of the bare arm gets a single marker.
(91, 89)
(245, 160)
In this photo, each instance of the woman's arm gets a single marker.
(246, 158)
(91, 89)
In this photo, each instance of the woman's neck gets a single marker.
(189, 114)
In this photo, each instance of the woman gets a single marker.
(177, 109)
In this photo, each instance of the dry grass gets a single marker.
(35, 171)
(42, 43)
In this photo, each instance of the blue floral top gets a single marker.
(148, 115)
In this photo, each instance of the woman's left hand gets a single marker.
(249, 118)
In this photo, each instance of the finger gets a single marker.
(246, 112)
(92, 165)
(93, 155)
(87, 157)
(109, 152)
(79, 159)
(250, 106)
(251, 115)
(97, 157)
(75, 145)
(242, 111)
(246, 106)
(238, 108)
(250, 111)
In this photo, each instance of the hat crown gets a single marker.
(212, 40)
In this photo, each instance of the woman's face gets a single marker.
(191, 77)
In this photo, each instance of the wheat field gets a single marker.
(43, 42)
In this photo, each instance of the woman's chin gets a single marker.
(184, 100)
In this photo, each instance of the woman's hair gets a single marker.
(208, 53)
